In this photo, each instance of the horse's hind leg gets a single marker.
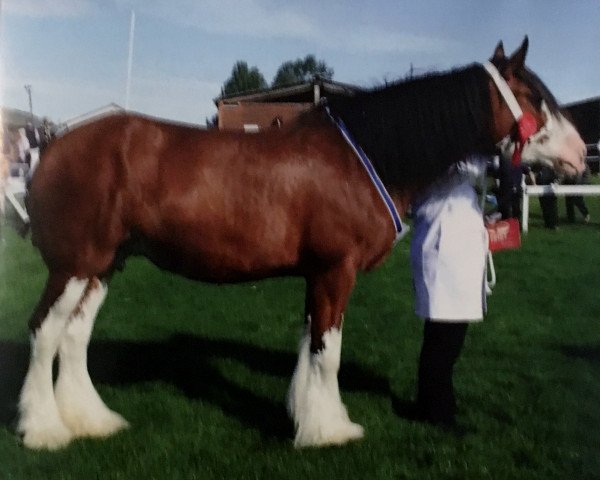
(39, 420)
(314, 400)
(80, 406)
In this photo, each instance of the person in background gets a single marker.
(23, 146)
(47, 134)
(510, 188)
(572, 201)
(14, 151)
(32, 134)
(544, 175)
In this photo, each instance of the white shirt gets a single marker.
(449, 247)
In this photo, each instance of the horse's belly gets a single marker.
(222, 258)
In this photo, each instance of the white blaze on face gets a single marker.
(557, 144)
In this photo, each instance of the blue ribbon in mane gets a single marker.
(401, 229)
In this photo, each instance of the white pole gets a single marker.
(130, 59)
(525, 211)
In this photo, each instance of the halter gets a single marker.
(526, 123)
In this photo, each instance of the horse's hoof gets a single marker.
(354, 432)
(47, 439)
(101, 426)
(349, 433)
(344, 434)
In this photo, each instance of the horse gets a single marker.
(218, 206)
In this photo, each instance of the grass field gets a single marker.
(201, 372)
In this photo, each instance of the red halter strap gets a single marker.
(526, 127)
(526, 123)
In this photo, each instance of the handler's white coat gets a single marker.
(449, 248)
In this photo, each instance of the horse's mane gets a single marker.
(413, 130)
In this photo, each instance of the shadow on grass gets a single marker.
(591, 353)
(190, 364)
(14, 358)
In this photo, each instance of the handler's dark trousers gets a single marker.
(549, 205)
(442, 343)
(575, 201)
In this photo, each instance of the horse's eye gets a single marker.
(542, 139)
(536, 100)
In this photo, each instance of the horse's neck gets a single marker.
(413, 132)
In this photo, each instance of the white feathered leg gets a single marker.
(314, 401)
(39, 420)
(80, 406)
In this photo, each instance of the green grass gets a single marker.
(201, 372)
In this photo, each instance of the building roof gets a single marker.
(288, 91)
(580, 102)
(92, 115)
(585, 115)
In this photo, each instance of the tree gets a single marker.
(301, 70)
(243, 79)
(212, 122)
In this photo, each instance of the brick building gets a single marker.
(254, 111)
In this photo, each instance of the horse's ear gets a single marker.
(498, 53)
(517, 59)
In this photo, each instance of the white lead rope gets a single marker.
(515, 109)
(490, 271)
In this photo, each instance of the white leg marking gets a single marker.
(80, 406)
(300, 377)
(39, 420)
(314, 401)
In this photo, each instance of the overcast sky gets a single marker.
(74, 52)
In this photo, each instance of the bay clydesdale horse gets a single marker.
(229, 207)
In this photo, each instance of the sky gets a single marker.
(74, 53)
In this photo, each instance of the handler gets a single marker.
(448, 257)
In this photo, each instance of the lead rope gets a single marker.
(490, 271)
(399, 226)
(525, 123)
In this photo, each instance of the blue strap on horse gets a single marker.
(401, 229)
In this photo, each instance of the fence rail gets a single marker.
(552, 189)
(15, 189)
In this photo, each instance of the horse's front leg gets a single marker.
(80, 406)
(314, 401)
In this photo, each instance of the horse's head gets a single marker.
(541, 134)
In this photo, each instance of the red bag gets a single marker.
(504, 234)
